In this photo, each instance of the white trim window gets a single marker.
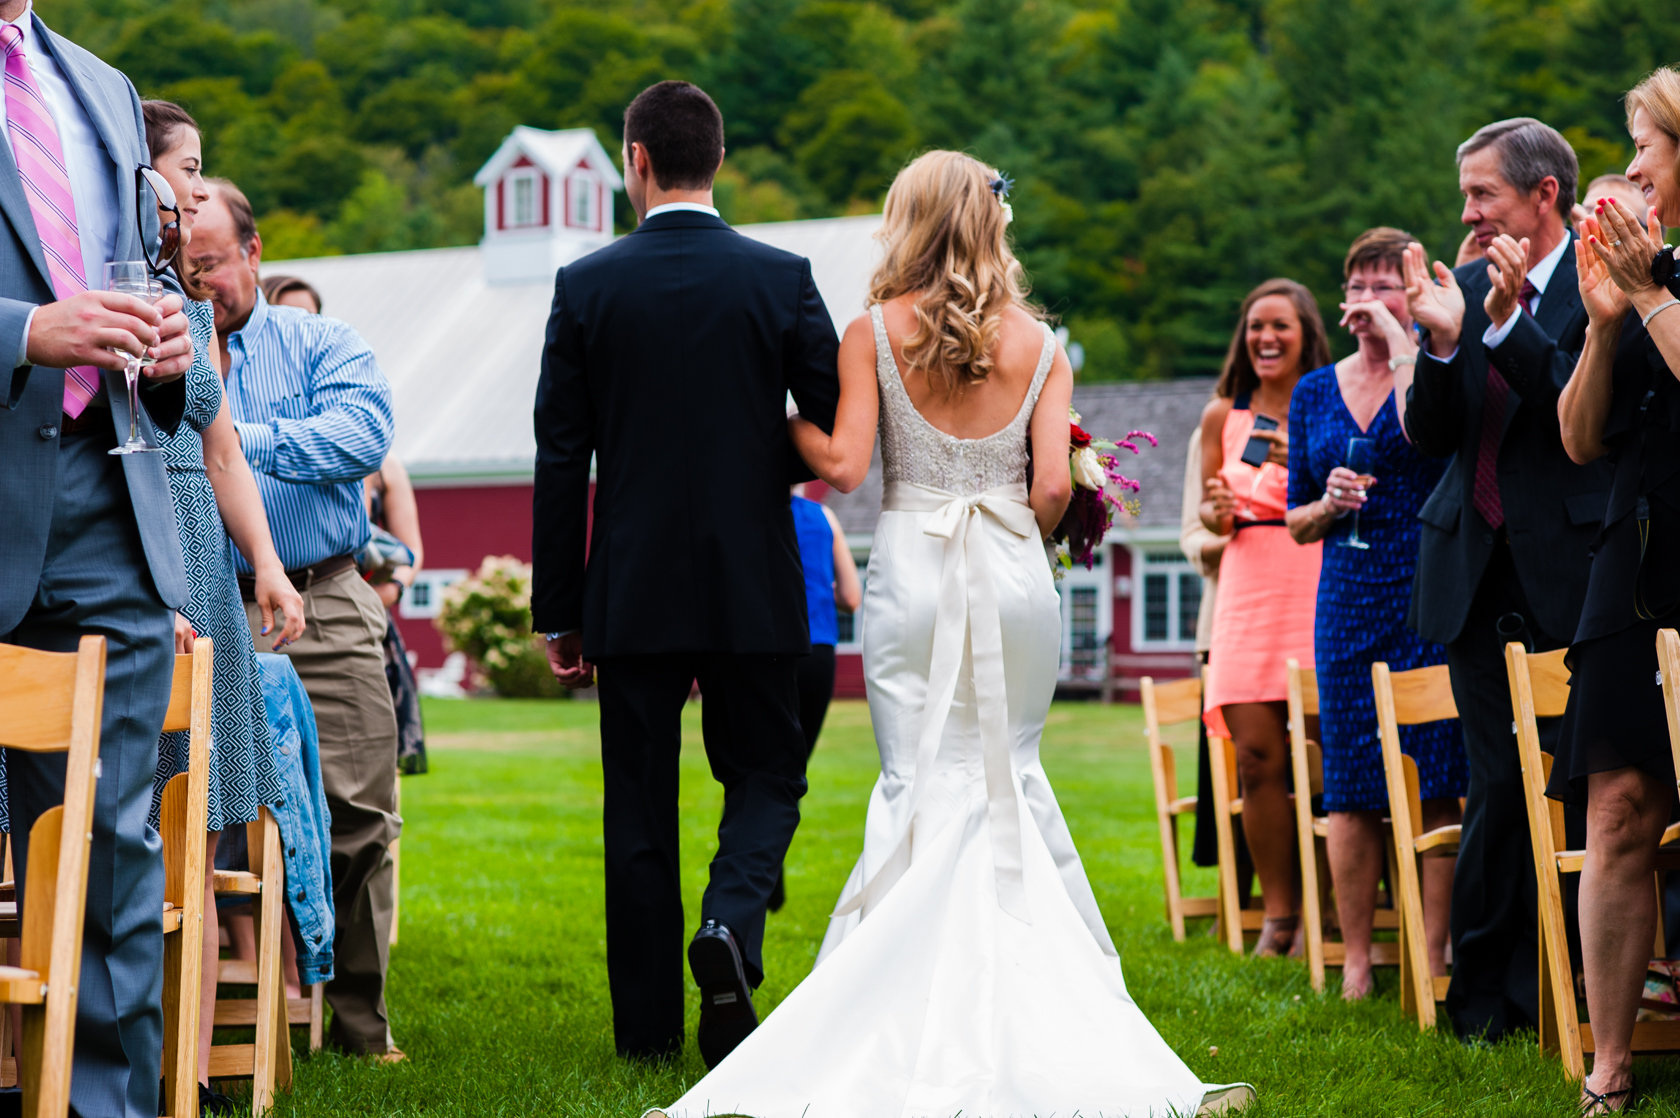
(1087, 618)
(425, 598)
(1168, 597)
(524, 205)
(580, 191)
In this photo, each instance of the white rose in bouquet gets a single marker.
(1087, 469)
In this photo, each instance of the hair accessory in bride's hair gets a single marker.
(1000, 184)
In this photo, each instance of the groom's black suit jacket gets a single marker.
(1552, 506)
(669, 357)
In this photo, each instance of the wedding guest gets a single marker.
(1355, 408)
(1203, 549)
(313, 413)
(89, 545)
(1503, 553)
(217, 506)
(290, 291)
(1267, 583)
(392, 506)
(1613, 749)
(831, 588)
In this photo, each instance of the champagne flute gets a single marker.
(1361, 459)
(132, 277)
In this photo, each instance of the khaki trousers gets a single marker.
(340, 659)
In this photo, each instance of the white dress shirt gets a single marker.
(676, 207)
(93, 173)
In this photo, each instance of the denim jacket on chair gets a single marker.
(305, 824)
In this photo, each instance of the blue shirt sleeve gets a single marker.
(347, 431)
(1303, 487)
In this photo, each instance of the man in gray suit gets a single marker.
(89, 543)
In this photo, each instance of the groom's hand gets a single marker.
(565, 658)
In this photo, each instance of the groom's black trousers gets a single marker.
(749, 716)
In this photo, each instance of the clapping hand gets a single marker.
(1625, 248)
(1373, 314)
(1220, 504)
(1605, 302)
(1437, 307)
(1507, 268)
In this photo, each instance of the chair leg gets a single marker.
(1311, 914)
(1230, 901)
(1175, 888)
(271, 991)
(316, 1016)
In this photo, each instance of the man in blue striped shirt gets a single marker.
(313, 412)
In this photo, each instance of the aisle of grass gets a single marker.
(498, 987)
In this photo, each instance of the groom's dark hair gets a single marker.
(682, 131)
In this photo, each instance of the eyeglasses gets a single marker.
(170, 234)
(1380, 291)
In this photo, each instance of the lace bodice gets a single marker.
(914, 450)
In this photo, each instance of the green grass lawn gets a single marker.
(498, 987)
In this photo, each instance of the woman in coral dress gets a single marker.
(1267, 582)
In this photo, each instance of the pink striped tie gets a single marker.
(40, 163)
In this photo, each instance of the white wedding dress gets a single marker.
(967, 969)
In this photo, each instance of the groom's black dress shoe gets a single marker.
(726, 1009)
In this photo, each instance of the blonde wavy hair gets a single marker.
(945, 236)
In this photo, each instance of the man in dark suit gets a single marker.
(90, 542)
(669, 358)
(1504, 550)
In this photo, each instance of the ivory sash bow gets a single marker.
(967, 615)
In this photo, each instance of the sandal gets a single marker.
(1277, 936)
(1595, 1103)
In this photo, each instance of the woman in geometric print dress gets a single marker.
(1364, 595)
(213, 486)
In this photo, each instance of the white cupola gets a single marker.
(548, 199)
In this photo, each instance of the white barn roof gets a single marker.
(463, 356)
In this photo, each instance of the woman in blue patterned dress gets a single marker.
(212, 486)
(1364, 595)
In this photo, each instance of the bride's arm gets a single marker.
(842, 459)
(1052, 486)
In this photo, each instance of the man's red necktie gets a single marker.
(1486, 494)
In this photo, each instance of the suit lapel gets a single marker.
(14, 203)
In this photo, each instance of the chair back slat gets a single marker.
(179, 714)
(1178, 701)
(1548, 679)
(1668, 660)
(35, 706)
(1423, 695)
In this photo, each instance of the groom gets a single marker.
(668, 359)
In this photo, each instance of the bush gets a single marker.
(488, 617)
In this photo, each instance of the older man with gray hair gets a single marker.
(1504, 549)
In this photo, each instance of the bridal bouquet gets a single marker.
(1099, 490)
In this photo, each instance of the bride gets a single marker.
(966, 968)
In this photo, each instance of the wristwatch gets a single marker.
(1663, 270)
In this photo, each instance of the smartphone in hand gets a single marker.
(1257, 450)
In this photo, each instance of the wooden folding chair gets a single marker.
(1235, 919)
(1409, 699)
(1312, 831)
(1171, 704)
(182, 813)
(268, 1061)
(51, 702)
(1540, 689)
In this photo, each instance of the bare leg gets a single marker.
(1626, 812)
(1356, 862)
(288, 960)
(242, 930)
(212, 956)
(1260, 733)
(1436, 882)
